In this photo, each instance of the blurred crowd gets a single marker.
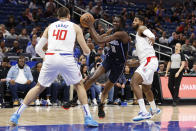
(27, 29)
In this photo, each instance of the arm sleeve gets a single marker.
(40, 45)
(9, 75)
(148, 33)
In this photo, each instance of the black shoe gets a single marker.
(71, 103)
(174, 103)
(101, 112)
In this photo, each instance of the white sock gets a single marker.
(142, 105)
(21, 108)
(152, 105)
(86, 110)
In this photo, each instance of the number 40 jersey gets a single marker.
(61, 37)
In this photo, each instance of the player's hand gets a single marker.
(88, 21)
(28, 82)
(12, 82)
(177, 74)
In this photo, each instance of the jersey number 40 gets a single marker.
(60, 34)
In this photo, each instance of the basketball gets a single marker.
(82, 21)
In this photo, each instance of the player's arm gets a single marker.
(41, 43)
(143, 30)
(81, 40)
(107, 33)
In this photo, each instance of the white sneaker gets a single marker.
(94, 101)
(142, 116)
(37, 102)
(48, 102)
(155, 112)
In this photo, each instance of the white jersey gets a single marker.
(143, 48)
(61, 37)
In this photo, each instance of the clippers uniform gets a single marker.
(59, 57)
(147, 58)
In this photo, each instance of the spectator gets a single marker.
(33, 5)
(89, 6)
(119, 87)
(3, 29)
(16, 48)
(161, 70)
(174, 41)
(12, 34)
(84, 71)
(97, 10)
(11, 23)
(128, 93)
(31, 48)
(34, 32)
(97, 86)
(47, 92)
(1, 36)
(34, 38)
(59, 87)
(19, 78)
(29, 15)
(163, 40)
(13, 2)
(186, 68)
(4, 68)
(91, 57)
(171, 37)
(50, 4)
(187, 48)
(23, 2)
(193, 70)
(100, 52)
(49, 12)
(24, 35)
(37, 15)
(3, 49)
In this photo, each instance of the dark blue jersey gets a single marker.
(118, 51)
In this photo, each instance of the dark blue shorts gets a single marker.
(115, 67)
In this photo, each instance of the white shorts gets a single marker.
(56, 64)
(147, 69)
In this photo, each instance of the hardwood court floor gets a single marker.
(114, 114)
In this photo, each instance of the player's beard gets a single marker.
(135, 27)
(20, 66)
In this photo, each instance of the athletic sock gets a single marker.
(152, 105)
(21, 109)
(142, 106)
(86, 110)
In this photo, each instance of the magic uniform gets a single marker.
(147, 58)
(59, 57)
(115, 59)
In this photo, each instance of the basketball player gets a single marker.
(59, 59)
(115, 58)
(148, 64)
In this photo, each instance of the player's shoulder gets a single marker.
(142, 27)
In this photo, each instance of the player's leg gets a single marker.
(150, 97)
(104, 96)
(135, 82)
(30, 97)
(47, 75)
(100, 70)
(71, 74)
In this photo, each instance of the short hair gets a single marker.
(141, 18)
(5, 59)
(21, 57)
(63, 12)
